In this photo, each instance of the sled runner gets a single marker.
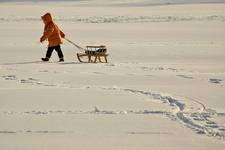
(97, 52)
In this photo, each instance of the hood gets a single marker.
(47, 18)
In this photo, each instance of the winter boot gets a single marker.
(45, 59)
(61, 60)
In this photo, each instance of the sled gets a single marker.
(97, 52)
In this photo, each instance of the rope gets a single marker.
(77, 46)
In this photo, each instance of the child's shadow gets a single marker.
(21, 63)
(38, 62)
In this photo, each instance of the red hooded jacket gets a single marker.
(51, 31)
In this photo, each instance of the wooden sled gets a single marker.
(97, 52)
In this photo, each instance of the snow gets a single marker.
(164, 82)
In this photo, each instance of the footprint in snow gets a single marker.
(184, 76)
(212, 126)
(222, 129)
(10, 77)
(215, 81)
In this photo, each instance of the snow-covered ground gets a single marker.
(163, 88)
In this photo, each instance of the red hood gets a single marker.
(47, 18)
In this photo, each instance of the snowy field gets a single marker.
(163, 88)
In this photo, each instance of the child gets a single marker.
(54, 36)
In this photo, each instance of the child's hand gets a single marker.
(62, 34)
(42, 39)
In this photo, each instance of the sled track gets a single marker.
(187, 111)
(199, 120)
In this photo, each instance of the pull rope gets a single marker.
(77, 46)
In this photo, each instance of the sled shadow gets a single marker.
(70, 63)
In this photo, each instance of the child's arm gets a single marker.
(47, 33)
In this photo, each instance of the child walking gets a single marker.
(54, 36)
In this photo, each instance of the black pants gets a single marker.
(58, 50)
